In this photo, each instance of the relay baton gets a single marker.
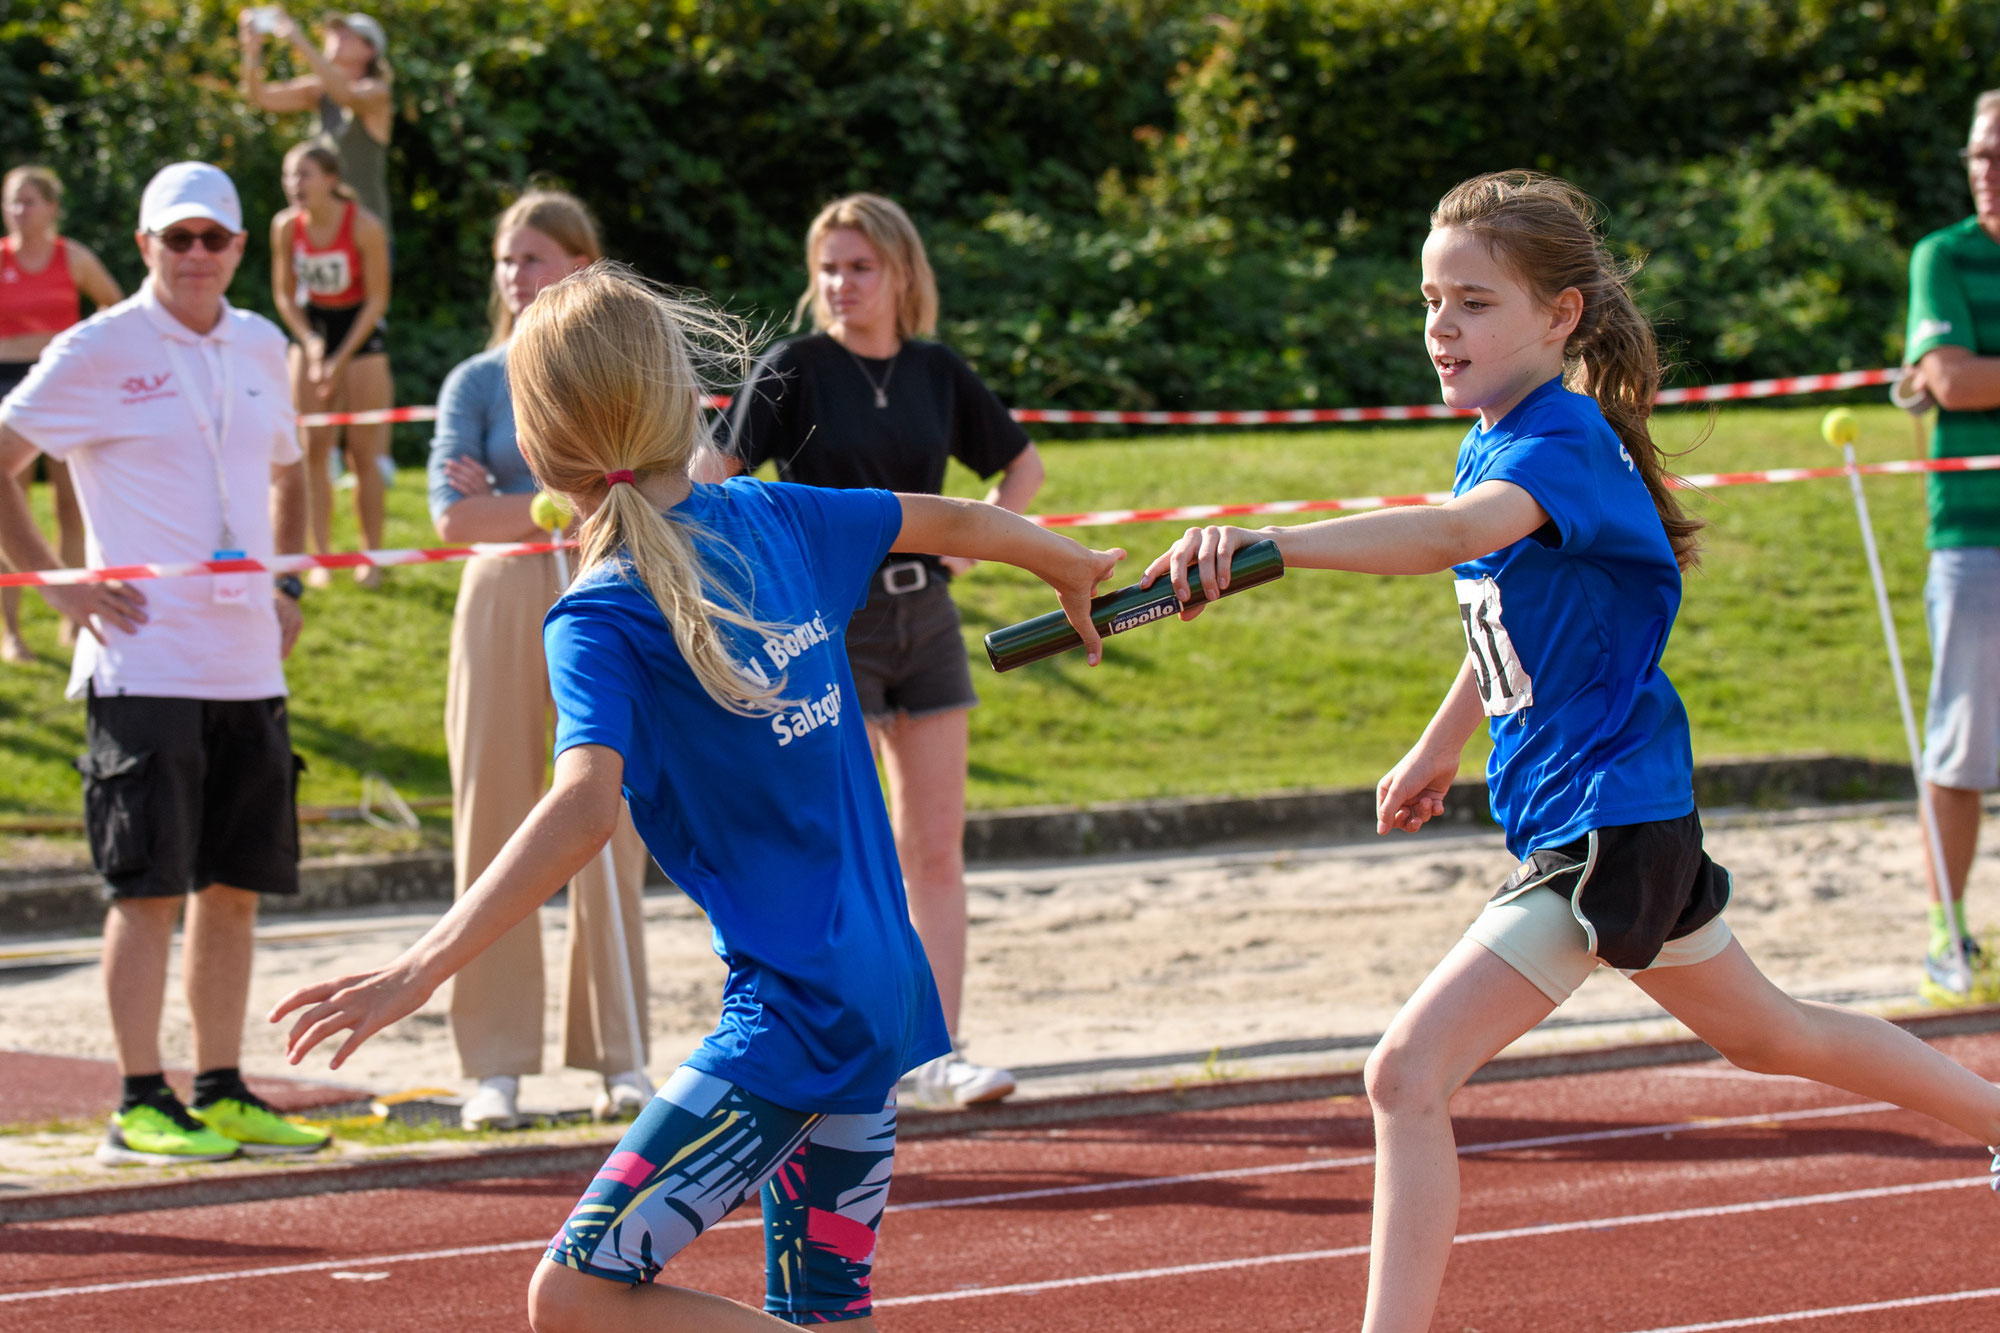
(1126, 608)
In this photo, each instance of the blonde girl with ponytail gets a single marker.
(1567, 548)
(699, 672)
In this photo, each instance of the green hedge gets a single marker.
(1131, 202)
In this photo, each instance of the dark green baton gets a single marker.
(1126, 608)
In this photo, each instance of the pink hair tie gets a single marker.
(623, 474)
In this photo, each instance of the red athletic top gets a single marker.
(44, 302)
(330, 278)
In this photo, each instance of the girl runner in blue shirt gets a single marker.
(697, 665)
(1568, 550)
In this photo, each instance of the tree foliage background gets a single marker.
(1130, 203)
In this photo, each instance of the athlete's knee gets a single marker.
(561, 1300)
(1401, 1080)
(1780, 1044)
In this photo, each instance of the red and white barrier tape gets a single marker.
(1778, 388)
(1700, 481)
(285, 564)
(277, 564)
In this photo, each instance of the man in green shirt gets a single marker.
(1953, 356)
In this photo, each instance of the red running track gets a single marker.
(1686, 1198)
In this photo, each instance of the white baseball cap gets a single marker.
(189, 190)
(367, 29)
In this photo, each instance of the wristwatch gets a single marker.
(290, 585)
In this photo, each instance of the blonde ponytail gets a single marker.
(1546, 230)
(606, 375)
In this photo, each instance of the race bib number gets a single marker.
(1504, 686)
(323, 274)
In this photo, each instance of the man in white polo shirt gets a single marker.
(173, 411)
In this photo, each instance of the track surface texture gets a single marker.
(1683, 1198)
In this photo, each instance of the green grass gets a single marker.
(1318, 680)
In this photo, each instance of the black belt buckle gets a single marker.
(905, 576)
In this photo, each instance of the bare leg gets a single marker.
(562, 1300)
(1957, 812)
(368, 388)
(69, 533)
(138, 933)
(215, 961)
(925, 761)
(13, 648)
(1734, 1007)
(318, 442)
(1467, 1011)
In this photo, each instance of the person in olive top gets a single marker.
(348, 88)
(863, 401)
(1953, 354)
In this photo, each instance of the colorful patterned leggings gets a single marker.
(701, 1148)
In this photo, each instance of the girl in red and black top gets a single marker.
(330, 281)
(43, 278)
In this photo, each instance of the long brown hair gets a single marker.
(556, 214)
(606, 373)
(1545, 229)
(889, 229)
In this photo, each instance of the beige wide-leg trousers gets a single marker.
(498, 720)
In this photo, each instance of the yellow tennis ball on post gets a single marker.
(547, 512)
(1840, 427)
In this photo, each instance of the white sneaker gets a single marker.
(624, 1096)
(953, 1080)
(494, 1104)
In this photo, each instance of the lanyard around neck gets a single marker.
(213, 431)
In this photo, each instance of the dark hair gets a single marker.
(1545, 229)
(326, 160)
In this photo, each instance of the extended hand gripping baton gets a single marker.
(1126, 608)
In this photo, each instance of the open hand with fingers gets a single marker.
(92, 606)
(361, 1005)
(1208, 552)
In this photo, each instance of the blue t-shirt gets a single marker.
(1566, 628)
(774, 825)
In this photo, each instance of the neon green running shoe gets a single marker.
(161, 1133)
(261, 1131)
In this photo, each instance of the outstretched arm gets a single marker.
(1419, 539)
(1015, 491)
(292, 95)
(565, 829)
(942, 525)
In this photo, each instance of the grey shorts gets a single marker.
(179, 794)
(1962, 718)
(906, 651)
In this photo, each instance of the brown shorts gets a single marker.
(906, 651)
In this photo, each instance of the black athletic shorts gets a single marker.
(332, 324)
(905, 648)
(11, 375)
(179, 794)
(1635, 886)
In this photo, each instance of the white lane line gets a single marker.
(1368, 1159)
(1509, 1233)
(1012, 1196)
(1831, 1311)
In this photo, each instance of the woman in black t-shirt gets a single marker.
(864, 402)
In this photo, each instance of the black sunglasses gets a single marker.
(215, 240)
(1967, 156)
